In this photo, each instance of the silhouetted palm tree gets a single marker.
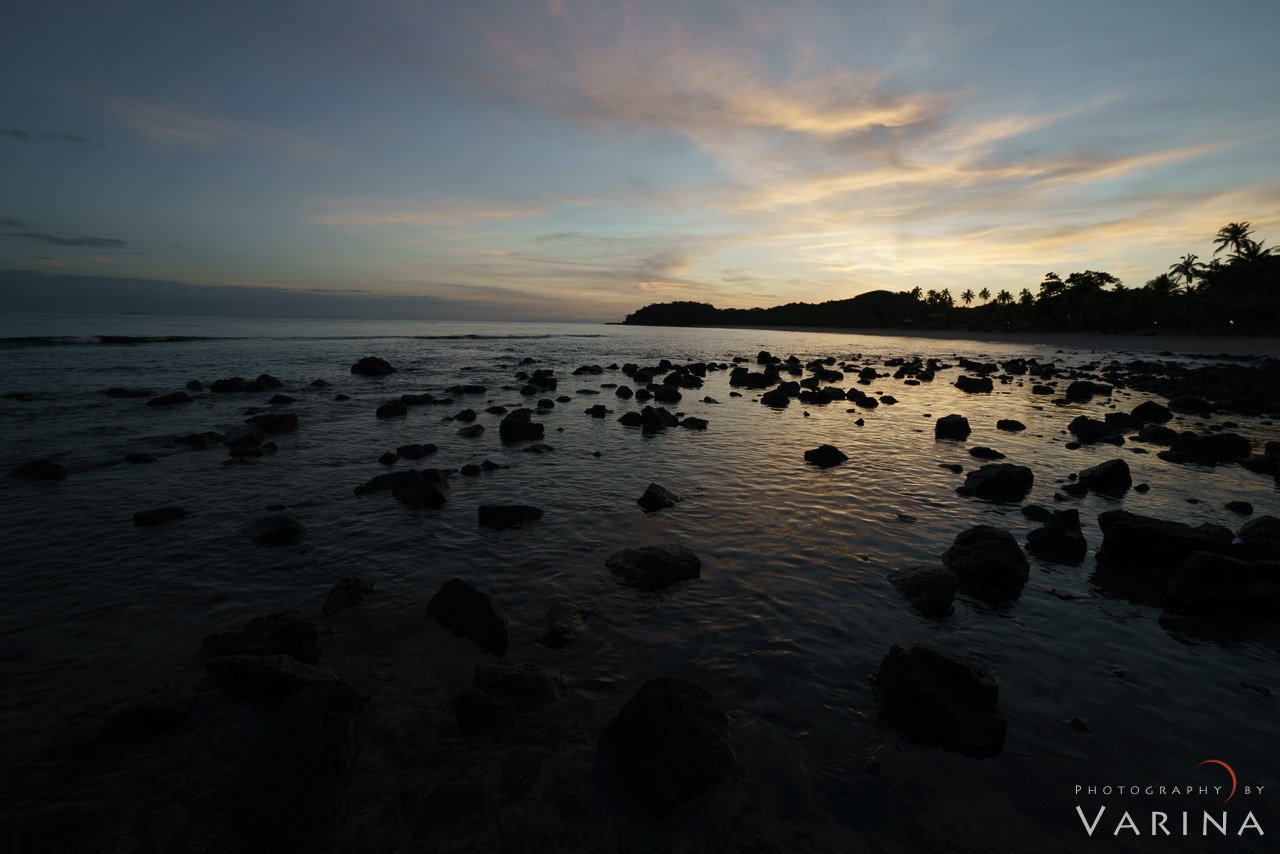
(1252, 251)
(1233, 236)
(915, 292)
(1188, 269)
(1163, 286)
(967, 297)
(984, 295)
(1025, 298)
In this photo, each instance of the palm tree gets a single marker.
(984, 295)
(1025, 298)
(1252, 251)
(915, 292)
(967, 297)
(1163, 286)
(1233, 236)
(1004, 298)
(1188, 269)
(1052, 286)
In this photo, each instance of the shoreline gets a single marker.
(1180, 343)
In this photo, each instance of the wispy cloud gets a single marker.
(19, 135)
(55, 240)
(178, 126)
(369, 212)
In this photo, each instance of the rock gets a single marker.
(45, 469)
(825, 456)
(631, 419)
(654, 567)
(346, 593)
(516, 426)
(563, 623)
(157, 516)
(507, 515)
(1010, 425)
(655, 420)
(466, 416)
(136, 458)
(624, 392)
(275, 422)
(424, 488)
(389, 458)
(372, 366)
(954, 468)
(669, 742)
(988, 562)
(538, 448)
(118, 391)
(292, 783)
(1123, 421)
(694, 423)
(470, 470)
(657, 497)
(930, 589)
(229, 385)
(472, 613)
(1036, 513)
(170, 399)
(1244, 508)
(424, 399)
(951, 427)
(286, 633)
(199, 440)
(1110, 478)
(276, 530)
(1081, 391)
(1190, 405)
(392, 409)
(320, 384)
(984, 453)
(1041, 388)
(510, 689)
(1091, 430)
(1145, 542)
(471, 431)
(940, 699)
(1060, 540)
(778, 398)
(597, 411)
(278, 399)
(416, 451)
(1152, 412)
(1213, 448)
(998, 482)
(1157, 434)
(1215, 585)
(156, 710)
(264, 678)
(973, 385)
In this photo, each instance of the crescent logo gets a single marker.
(1230, 771)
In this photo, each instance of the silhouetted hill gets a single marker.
(876, 309)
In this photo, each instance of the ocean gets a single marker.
(790, 617)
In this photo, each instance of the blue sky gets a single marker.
(575, 160)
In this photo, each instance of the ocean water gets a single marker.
(791, 616)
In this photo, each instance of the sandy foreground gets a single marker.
(1181, 343)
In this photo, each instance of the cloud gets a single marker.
(42, 261)
(54, 240)
(52, 136)
(15, 133)
(11, 222)
(178, 126)
(369, 212)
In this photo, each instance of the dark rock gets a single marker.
(1060, 540)
(623, 392)
(1040, 388)
(424, 399)
(466, 416)
(654, 567)
(1152, 412)
(694, 423)
(320, 384)
(538, 448)
(563, 623)
(988, 562)
(286, 633)
(777, 398)
(1110, 478)
(597, 411)
(471, 613)
(510, 689)
(998, 482)
(1155, 544)
(1244, 508)
(170, 399)
(954, 468)
(292, 783)
(392, 409)
(1091, 430)
(657, 497)
(471, 431)
(1010, 425)
(45, 469)
(158, 516)
(275, 530)
(264, 678)
(156, 710)
(655, 420)
(952, 427)
(1157, 434)
(425, 488)
(416, 451)
(372, 366)
(1081, 391)
(507, 515)
(279, 399)
(389, 458)
(940, 699)
(1190, 405)
(199, 440)
(118, 391)
(1036, 513)
(973, 385)
(825, 456)
(229, 385)
(984, 453)
(1213, 448)
(1216, 585)
(346, 593)
(275, 422)
(471, 470)
(517, 427)
(930, 589)
(669, 742)
(1123, 421)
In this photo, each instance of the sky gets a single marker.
(575, 160)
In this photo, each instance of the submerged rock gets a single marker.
(264, 678)
(931, 590)
(505, 690)
(346, 593)
(654, 567)
(1144, 542)
(669, 742)
(998, 482)
(657, 497)
(516, 426)
(988, 562)
(417, 488)
(285, 633)
(825, 456)
(563, 622)
(940, 699)
(1214, 585)
(276, 530)
(392, 409)
(45, 469)
(507, 515)
(416, 451)
(372, 366)
(170, 399)
(471, 613)
(1060, 539)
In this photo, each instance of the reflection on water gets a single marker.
(791, 615)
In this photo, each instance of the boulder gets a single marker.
(1010, 425)
(416, 451)
(777, 398)
(372, 366)
(265, 679)
(1152, 412)
(951, 427)
(286, 633)
(824, 456)
(1111, 478)
(1243, 508)
(1144, 542)
(1213, 448)
(988, 562)
(668, 742)
(940, 699)
(275, 530)
(41, 470)
(471, 431)
(157, 516)
(998, 482)
(1081, 391)
(516, 426)
(1036, 513)
(973, 385)
(392, 409)
(1091, 430)
(274, 422)
(657, 497)
(1060, 539)
(417, 488)
(472, 613)
(984, 453)
(930, 589)
(1215, 585)
(345, 593)
(507, 515)
(389, 458)
(692, 423)
(173, 397)
(1157, 434)
(506, 689)
(563, 623)
(654, 567)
